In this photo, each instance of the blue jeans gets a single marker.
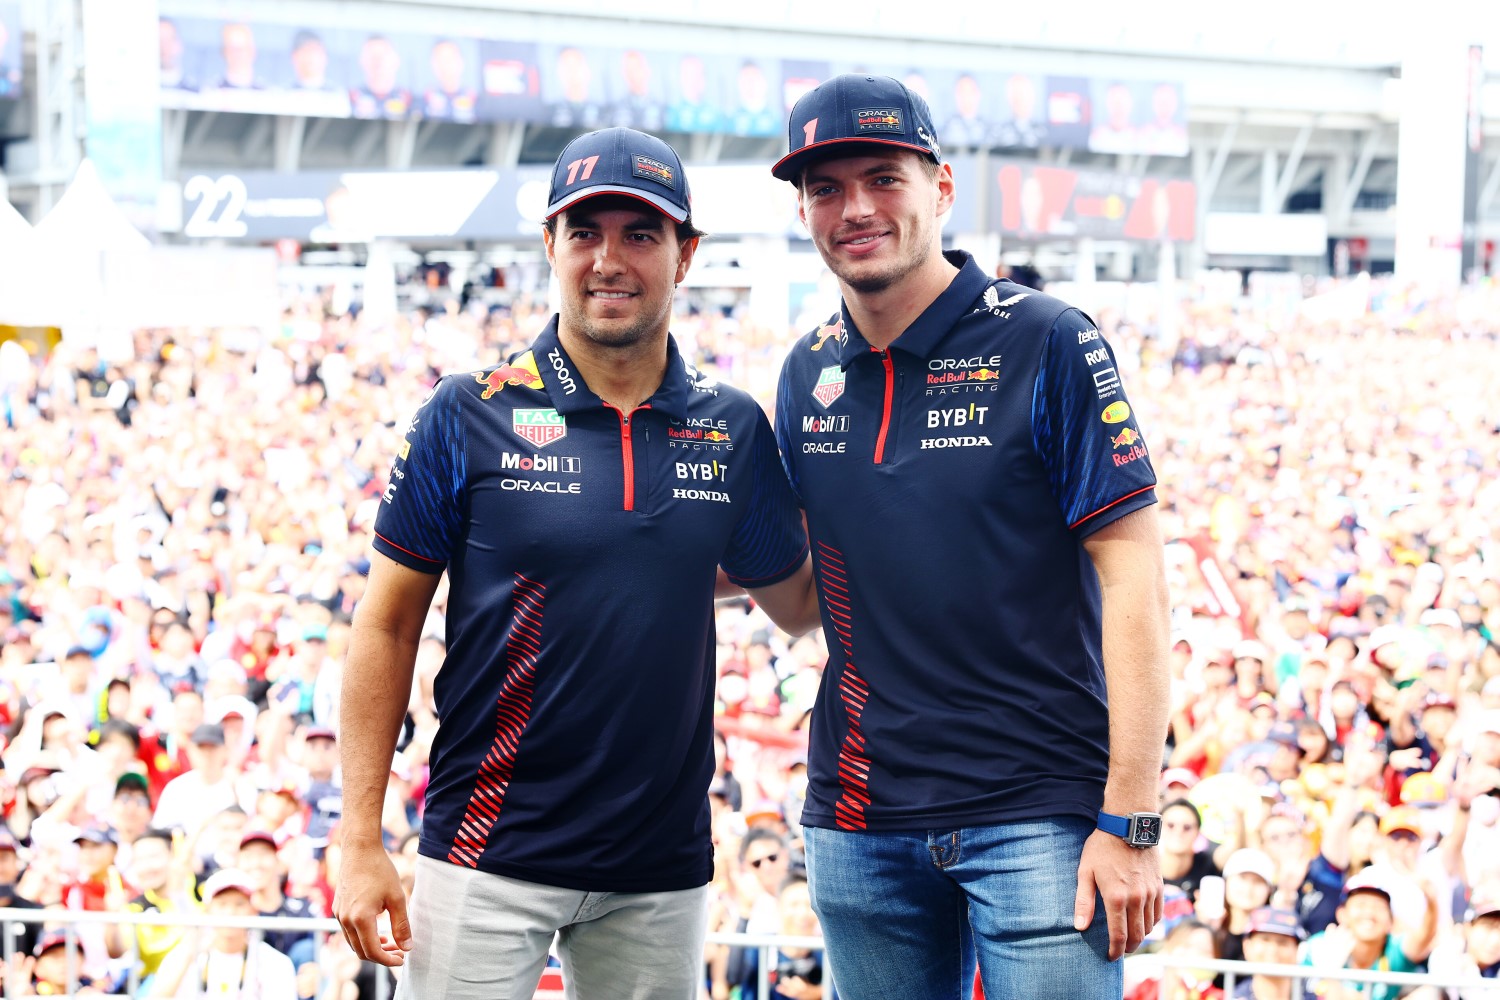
(904, 914)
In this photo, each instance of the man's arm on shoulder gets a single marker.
(1127, 555)
(376, 690)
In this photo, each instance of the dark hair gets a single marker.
(685, 229)
(759, 833)
(1184, 804)
(156, 833)
(119, 727)
(931, 166)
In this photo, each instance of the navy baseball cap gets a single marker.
(856, 108)
(620, 161)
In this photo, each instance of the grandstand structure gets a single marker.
(1087, 143)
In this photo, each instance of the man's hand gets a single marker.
(368, 887)
(1129, 881)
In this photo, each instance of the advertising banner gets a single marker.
(270, 68)
(1035, 201)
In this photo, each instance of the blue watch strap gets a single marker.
(1117, 825)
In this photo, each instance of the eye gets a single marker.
(820, 192)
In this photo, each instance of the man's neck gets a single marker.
(883, 316)
(623, 377)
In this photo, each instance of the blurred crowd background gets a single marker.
(185, 536)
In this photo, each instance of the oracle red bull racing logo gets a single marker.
(521, 372)
(1130, 439)
(540, 427)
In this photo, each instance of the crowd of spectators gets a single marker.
(186, 533)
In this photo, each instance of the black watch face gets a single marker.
(1147, 830)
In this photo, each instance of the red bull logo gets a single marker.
(984, 375)
(1125, 438)
(715, 436)
(522, 372)
(829, 331)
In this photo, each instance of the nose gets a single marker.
(857, 203)
(607, 257)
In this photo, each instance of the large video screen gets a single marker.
(234, 65)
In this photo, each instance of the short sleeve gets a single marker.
(769, 542)
(784, 418)
(1085, 431)
(420, 514)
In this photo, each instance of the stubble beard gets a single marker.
(866, 281)
(613, 336)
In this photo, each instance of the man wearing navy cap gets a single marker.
(979, 497)
(1271, 938)
(582, 496)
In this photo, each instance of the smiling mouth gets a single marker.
(862, 240)
(609, 295)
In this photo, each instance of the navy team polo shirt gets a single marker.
(581, 544)
(949, 483)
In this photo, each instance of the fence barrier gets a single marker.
(1138, 966)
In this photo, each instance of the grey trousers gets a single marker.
(477, 936)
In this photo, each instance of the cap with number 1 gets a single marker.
(874, 111)
(620, 161)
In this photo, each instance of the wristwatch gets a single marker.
(1137, 829)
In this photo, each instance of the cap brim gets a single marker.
(787, 168)
(660, 204)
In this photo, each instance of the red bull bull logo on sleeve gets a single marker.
(522, 372)
(1125, 438)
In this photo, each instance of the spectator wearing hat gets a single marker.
(1271, 938)
(260, 861)
(323, 791)
(223, 961)
(1362, 938)
(50, 973)
(1469, 951)
(208, 787)
(1249, 878)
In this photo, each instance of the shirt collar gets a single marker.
(553, 363)
(924, 334)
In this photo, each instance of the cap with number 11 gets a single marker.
(620, 161)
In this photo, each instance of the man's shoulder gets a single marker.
(1005, 301)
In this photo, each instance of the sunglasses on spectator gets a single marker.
(768, 859)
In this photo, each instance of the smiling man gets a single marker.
(582, 497)
(988, 735)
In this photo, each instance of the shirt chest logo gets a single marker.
(540, 427)
(830, 386)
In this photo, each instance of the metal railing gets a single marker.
(1233, 972)
(766, 946)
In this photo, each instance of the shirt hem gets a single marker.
(582, 881)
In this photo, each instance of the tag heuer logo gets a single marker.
(830, 385)
(540, 427)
